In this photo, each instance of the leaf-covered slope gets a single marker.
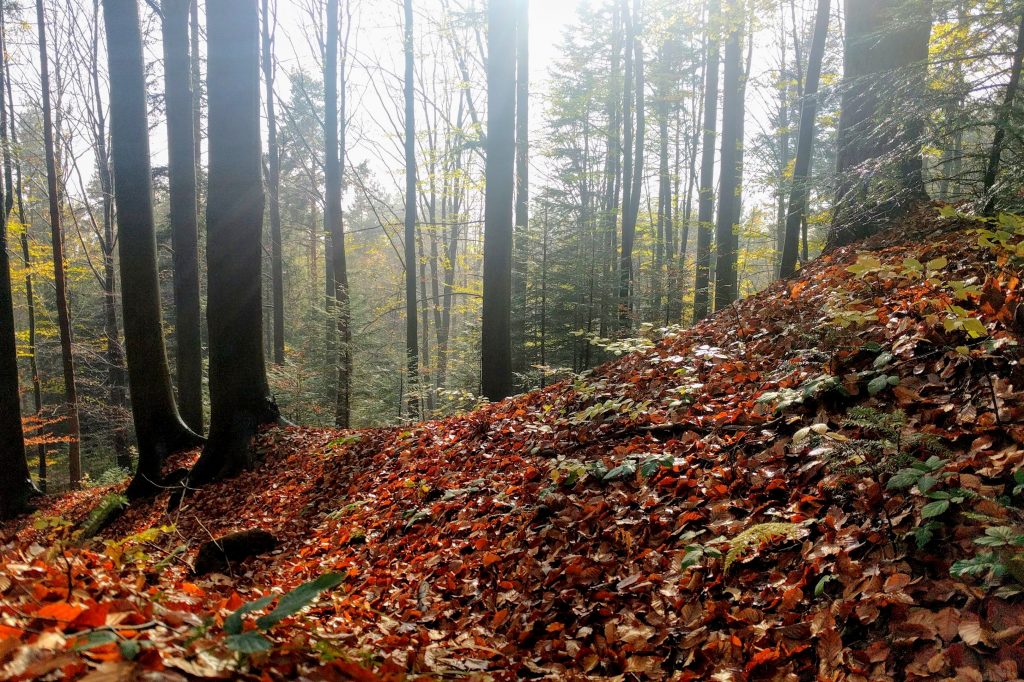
(780, 492)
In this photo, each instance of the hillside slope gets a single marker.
(778, 493)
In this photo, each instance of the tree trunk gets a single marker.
(706, 203)
(729, 181)
(333, 219)
(273, 184)
(411, 326)
(15, 483)
(158, 426)
(60, 283)
(239, 395)
(625, 269)
(632, 207)
(522, 206)
(1003, 122)
(181, 149)
(496, 346)
(805, 143)
(878, 141)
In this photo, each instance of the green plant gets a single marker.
(253, 641)
(755, 536)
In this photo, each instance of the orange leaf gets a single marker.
(94, 617)
(491, 558)
(60, 611)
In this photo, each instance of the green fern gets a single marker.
(755, 536)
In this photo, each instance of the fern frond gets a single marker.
(755, 536)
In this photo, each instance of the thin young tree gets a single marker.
(706, 202)
(333, 218)
(729, 172)
(496, 342)
(159, 428)
(522, 207)
(411, 322)
(240, 398)
(181, 162)
(799, 192)
(57, 240)
(273, 181)
(16, 487)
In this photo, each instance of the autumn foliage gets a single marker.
(821, 482)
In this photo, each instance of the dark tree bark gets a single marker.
(16, 487)
(880, 123)
(333, 218)
(805, 143)
(625, 268)
(1003, 122)
(239, 395)
(522, 207)
(706, 203)
(273, 183)
(496, 345)
(411, 326)
(729, 175)
(158, 426)
(181, 151)
(631, 209)
(60, 281)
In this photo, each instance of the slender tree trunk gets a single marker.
(496, 346)
(706, 204)
(158, 426)
(522, 206)
(60, 283)
(411, 331)
(239, 395)
(632, 207)
(1003, 122)
(15, 483)
(181, 149)
(728, 184)
(805, 143)
(273, 183)
(784, 135)
(625, 268)
(333, 219)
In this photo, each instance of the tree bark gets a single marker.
(158, 426)
(60, 282)
(273, 184)
(181, 153)
(805, 143)
(729, 176)
(522, 206)
(496, 346)
(15, 483)
(411, 326)
(239, 395)
(706, 202)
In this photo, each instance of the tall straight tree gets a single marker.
(60, 280)
(706, 202)
(15, 483)
(411, 328)
(273, 182)
(240, 399)
(885, 56)
(181, 162)
(158, 427)
(729, 176)
(1003, 120)
(333, 219)
(634, 161)
(496, 342)
(798, 195)
(522, 214)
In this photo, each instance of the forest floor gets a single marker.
(821, 482)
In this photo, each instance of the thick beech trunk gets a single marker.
(158, 427)
(239, 395)
(706, 202)
(411, 327)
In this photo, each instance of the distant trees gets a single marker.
(240, 398)
(496, 339)
(57, 241)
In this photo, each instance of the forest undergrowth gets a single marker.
(823, 481)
